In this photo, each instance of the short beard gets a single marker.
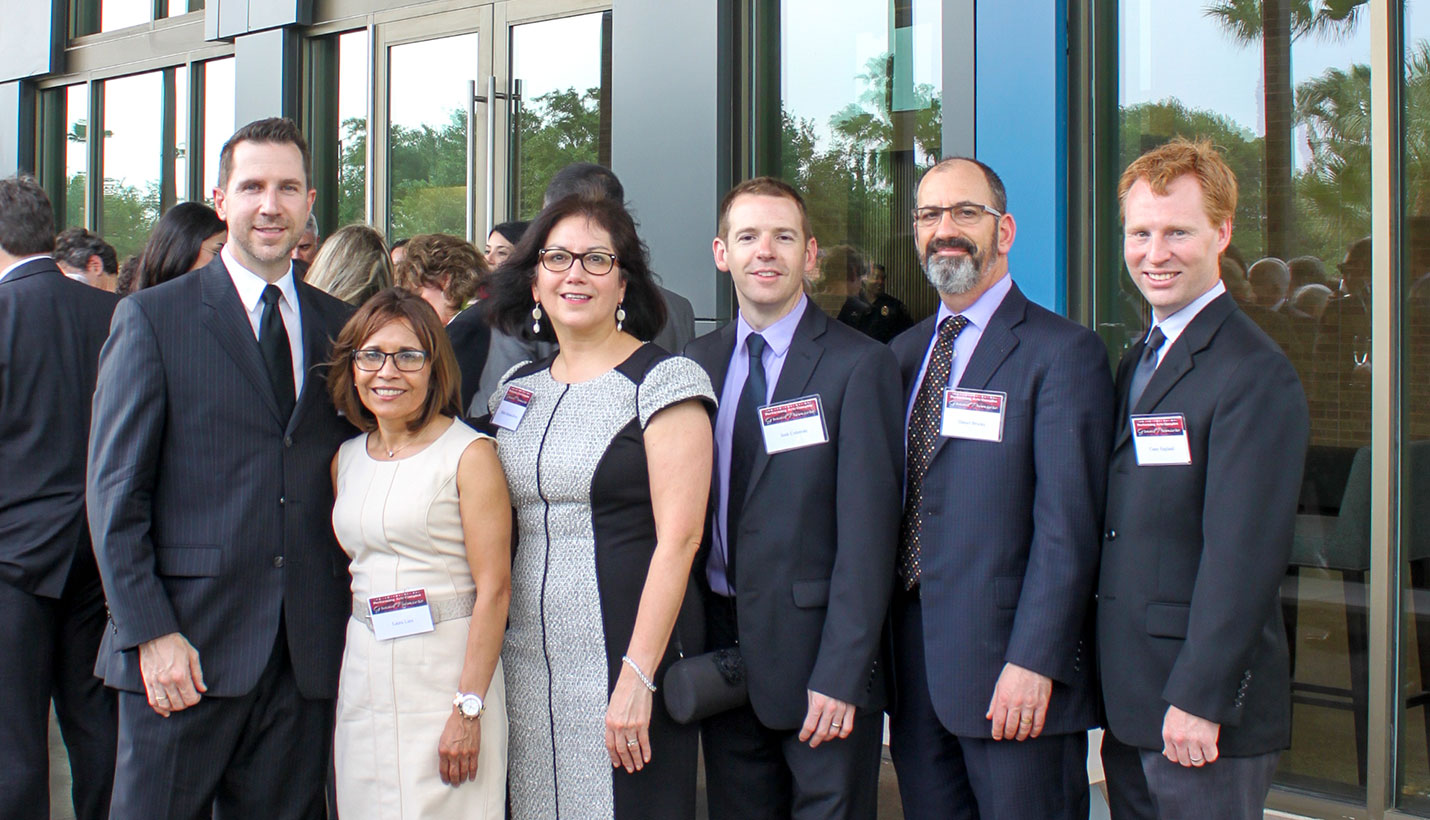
(952, 274)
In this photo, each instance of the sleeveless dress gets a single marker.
(576, 467)
(400, 523)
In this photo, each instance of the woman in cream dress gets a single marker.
(421, 504)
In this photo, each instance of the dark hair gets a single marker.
(398, 244)
(443, 261)
(275, 131)
(510, 231)
(585, 179)
(763, 186)
(508, 303)
(74, 247)
(444, 393)
(174, 245)
(27, 221)
(995, 182)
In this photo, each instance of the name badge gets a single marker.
(512, 408)
(400, 614)
(973, 414)
(1161, 440)
(793, 424)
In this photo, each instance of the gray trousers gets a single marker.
(1144, 785)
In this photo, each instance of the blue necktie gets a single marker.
(1146, 366)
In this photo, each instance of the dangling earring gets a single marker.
(536, 318)
(620, 315)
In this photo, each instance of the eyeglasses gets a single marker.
(372, 360)
(966, 214)
(560, 260)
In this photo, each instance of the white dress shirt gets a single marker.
(250, 293)
(1173, 325)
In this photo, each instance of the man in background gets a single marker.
(85, 257)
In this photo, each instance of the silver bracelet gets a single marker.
(626, 659)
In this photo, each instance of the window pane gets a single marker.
(1414, 769)
(557, 121)
(1290, 94)
(76, 153)
(133, 153)
(117, 14)
(177, 7)
(427, 135)
(181, 133)
(352, 127)
(218, 117)
(860, 120)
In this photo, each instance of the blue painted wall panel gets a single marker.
(1021, 131)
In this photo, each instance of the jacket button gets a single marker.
(278, 561)
(1111, 535)
(282, 500)
(287, 441)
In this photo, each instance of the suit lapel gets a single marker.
(804, 353)
(316, 346)
(910, 362)
(994, 347)
(227, 320)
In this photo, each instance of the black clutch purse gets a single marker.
(703, 685)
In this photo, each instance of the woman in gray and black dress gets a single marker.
(607, 450)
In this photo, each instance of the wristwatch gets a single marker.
(470, 706)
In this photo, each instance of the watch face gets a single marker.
(471, 706)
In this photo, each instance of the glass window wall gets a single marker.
(353, 79)
(218, 117)
(76, 153)
(133, 159)
(1283, 88)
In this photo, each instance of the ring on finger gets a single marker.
(836, 725)
(632, 742)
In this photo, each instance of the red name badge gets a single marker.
(512, 407)
(793, 424)
(1161, 440)
(399, 614)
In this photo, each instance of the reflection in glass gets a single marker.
(1292, 97)
(133, 154)
(860, 120)
(558, 119)
(218, 117)
(117, 14)
(1414, 723)
(427, 135)
(181, 131)
(76, 153)
(177, 7)
(352, 128)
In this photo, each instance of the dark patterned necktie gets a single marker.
(1146, 366)
(745, 444)
(923, 435)
(277, 355)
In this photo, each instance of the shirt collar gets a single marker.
(250, 285)
(779, 335)
(1173, 325)
(981, 311)
(22, 261)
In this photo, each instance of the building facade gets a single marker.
(451, 115)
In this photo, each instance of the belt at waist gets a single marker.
(444, 607)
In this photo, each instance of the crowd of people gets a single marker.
(310, 526)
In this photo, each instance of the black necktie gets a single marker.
(745, 444)
(1146, 366)
(924, 423)
(277, 356)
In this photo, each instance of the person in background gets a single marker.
(606, 447)
(446, 271)
(51, 601)
(307, 248)
(353, 265)
(85, 257)
(420, 503)
(502, 240)
(1202, 494)
(398, 250)
(187, 237)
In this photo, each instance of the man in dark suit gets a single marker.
(1009, 426)
(209, 499)
(1202, 491)
(804, 513)
(51, 602)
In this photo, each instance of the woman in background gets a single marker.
(443, 269)
(187, 237)
(352, 265)
(420, 504)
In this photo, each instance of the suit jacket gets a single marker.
(819, 525)
(471, 340)
(1009, 539)
(679, 323)
(1193, 555)
(51, 329)
(211, 514)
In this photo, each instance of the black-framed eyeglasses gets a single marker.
(371, 359)
(965, 214)
(560, 260)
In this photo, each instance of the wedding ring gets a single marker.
(836, 725)
(1024, 720)
(633, 742)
